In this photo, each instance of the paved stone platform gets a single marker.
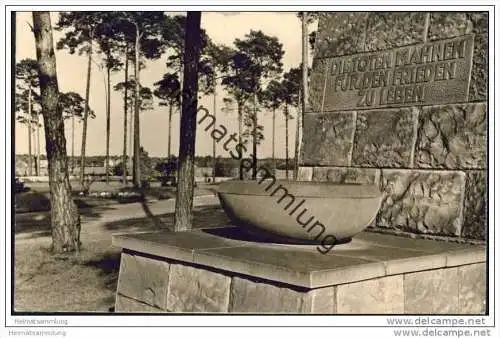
(225, 270)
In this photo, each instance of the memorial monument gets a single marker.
(401, 99)
(397, 101)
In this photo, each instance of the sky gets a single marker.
(222, 28)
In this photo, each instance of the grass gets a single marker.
(71, 283)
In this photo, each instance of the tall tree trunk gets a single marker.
(181, 84)
(300, 116)
(213, 139)
(254, 141)
(131, 134)
(192, 49)
(169, 145)
(274, 140)
(108, 121)
(125, 109)
(240, 131)
(33, 149)
(72, 143)
(65, 220)
(286, 141)
(86, 115)
(137, 140)
(37, 164)
(30, 155)
(297, 138)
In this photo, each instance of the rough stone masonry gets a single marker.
(403, 104)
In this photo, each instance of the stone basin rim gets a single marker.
(306, 189)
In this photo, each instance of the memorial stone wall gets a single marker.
(400, 100)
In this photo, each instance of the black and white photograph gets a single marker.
(270, 165)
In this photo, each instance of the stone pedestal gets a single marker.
(218, 271)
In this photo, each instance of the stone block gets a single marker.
(444, 25)
(144, 279)
(472, 289)
(258, 297)
(384, 137)
(253, 296)
(278, 262)
(413, 243)
(340, 33)
(452, 137)
(317, 89)
(431, 292)
(179, 245)
(328, 138)
(125, 304)
(197, 290)
(478, 88)
(475, 205)
(321, 87)
(469, 255)
(451, 24)
(422, 201)
(386, 30)
(346, 175)
(324, 300)
(375, 296)
(413, 262)
(305, 174)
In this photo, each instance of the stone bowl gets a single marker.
(306, 211)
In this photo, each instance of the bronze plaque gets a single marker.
(430, 73)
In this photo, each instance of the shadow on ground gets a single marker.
(108, 265)
(31, 201)
(156, 221)
(204, 217)
(37, 224)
